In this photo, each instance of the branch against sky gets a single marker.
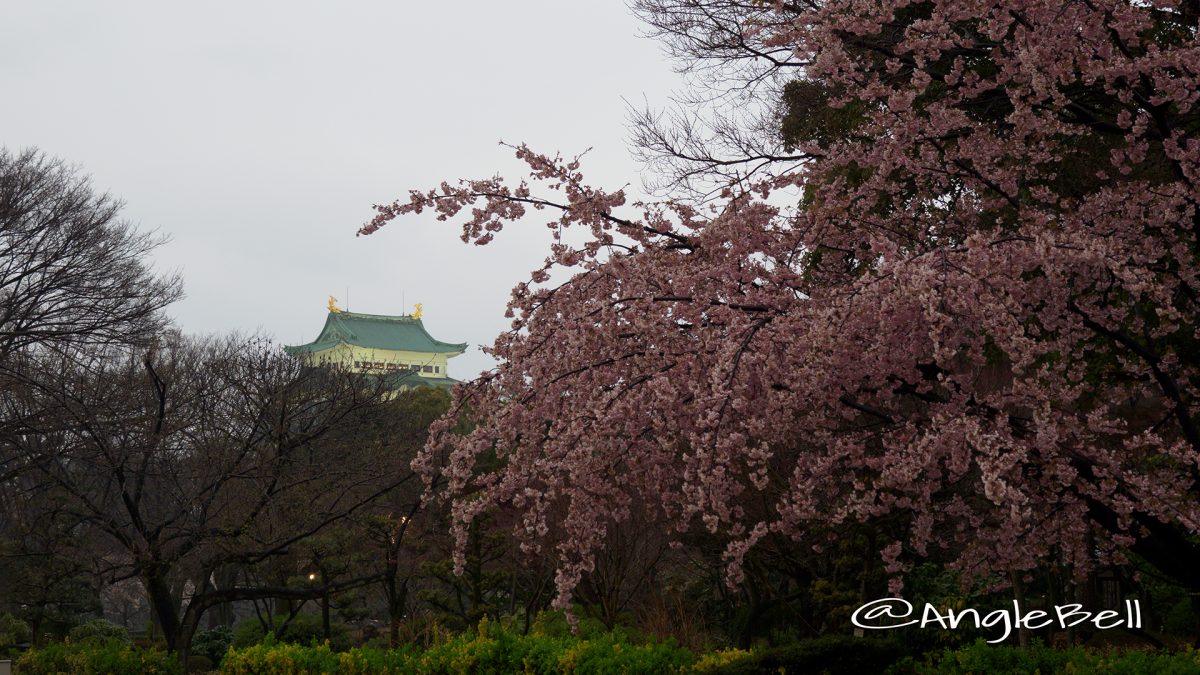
(72, 273)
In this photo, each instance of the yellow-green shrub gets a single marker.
(715, 661)
(487, 650)
(986, 658)
(91, 658)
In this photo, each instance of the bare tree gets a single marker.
(72, 273)
(73, 279)
(725, 129)
(624, 570)
(200, 456)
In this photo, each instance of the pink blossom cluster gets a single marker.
(981, 321)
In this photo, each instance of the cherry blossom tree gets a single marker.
(967, 302)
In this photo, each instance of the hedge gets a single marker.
(93, 658)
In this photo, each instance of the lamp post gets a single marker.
(312, 579)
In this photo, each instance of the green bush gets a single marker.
(13, 632)
(247, 633)
(423, 631)
(726, 661)
(1179, 619)
(270, 658)
(365, 661)
(304, 629)
(489, 649)
(212, 644)
(1003, 659)
(198, 663)
(553, 623)
(608, 655)
(93, 658)
(832, 654)
(98, 631)
(495, 650)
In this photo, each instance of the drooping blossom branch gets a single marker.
(981, 321)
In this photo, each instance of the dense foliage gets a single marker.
(213, 643)
(985, 658)
(502, 652)
(13, 632)
(488, 649)
(98, 631)
(111, 658)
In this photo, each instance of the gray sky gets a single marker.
(256, 135)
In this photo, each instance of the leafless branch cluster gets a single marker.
(725, 129)
(72, 272)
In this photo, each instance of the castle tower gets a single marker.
(396, 347)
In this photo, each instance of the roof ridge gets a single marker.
(387, 317)
(383, 331)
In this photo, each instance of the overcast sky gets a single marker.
(257, 135)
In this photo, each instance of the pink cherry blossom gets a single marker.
(982, 320)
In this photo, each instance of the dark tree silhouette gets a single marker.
(71, 271)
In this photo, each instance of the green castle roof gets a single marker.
(376, 331)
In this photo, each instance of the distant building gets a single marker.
(395, 347)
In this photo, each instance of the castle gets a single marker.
(395, 347)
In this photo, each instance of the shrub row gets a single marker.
(477, 652)
(612, 653)
(831, 655)
(1004, 660)
(91, 657)
(497, 652)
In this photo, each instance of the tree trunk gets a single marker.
(178, 632)
(1018, 585)
(35, 630)
(325, 613)
(187, 631)
(397, 598)
(164, 606)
